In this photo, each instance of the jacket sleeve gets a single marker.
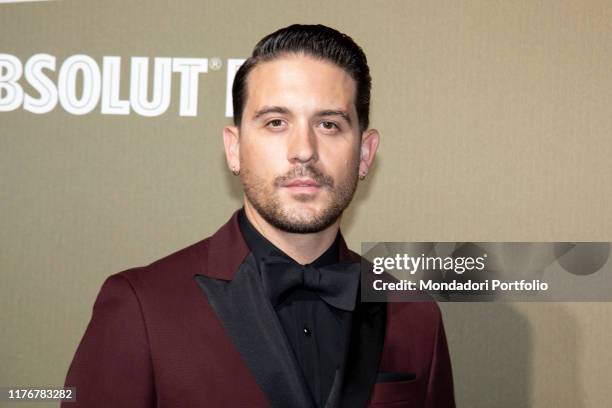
(112, 365)
(440, 392)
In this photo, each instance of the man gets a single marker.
(267, 311)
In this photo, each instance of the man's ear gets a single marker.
(231, 143)
(369, 145)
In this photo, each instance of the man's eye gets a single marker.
(275, 123)
(329, 125)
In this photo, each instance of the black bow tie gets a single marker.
(336, 284)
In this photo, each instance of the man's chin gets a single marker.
(303, 218)
(303, 210)
(297, 196)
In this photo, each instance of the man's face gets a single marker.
(299, 142)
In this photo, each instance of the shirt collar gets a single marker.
(261, 246)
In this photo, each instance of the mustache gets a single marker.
(305, 170)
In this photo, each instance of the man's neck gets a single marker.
(303, 248)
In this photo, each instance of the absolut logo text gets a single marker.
(83, 86)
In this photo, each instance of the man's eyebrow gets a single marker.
(338, 112)
(270, 109)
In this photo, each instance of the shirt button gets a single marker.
(307, 331)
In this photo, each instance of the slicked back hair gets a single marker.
(317, 41)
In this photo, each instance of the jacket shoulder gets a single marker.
(426, 312)
(183, 263)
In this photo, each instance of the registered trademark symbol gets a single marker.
(215, 64)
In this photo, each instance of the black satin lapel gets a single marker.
(365, 351)
(255, 330)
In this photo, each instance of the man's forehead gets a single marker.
(300, 81)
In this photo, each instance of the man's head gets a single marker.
(301, 136)
(317, 41)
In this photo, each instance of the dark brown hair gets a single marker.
(317, 41)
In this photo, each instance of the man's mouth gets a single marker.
(302, 186)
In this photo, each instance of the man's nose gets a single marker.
(302, 145)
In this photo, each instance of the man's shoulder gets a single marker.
(217, 255)
(416, 323)
(426, 311)
(182, 263)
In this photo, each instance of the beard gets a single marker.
(264, 196)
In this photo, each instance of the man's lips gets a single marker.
(302, 183)
(302, 186)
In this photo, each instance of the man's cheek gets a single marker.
(268, 155)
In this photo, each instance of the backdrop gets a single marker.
(496, 125)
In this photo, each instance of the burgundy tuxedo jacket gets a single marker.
(195, 329)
